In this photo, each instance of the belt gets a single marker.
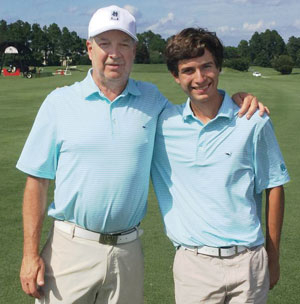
(217, 251)
(106, 239)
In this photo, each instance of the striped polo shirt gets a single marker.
(209, 178)
(99, 153)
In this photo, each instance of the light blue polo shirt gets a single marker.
(99, 153)
(209, 178)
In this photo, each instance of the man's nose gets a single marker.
(114, 52)
(200, 76)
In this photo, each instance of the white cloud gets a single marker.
(259, 26)
(163, 22)
(226, 29)
(253, 27)
(170, 17)
(223, 29)
(73, 9)
(89, 12)
(240, 1)
(297, 23)
(133, 10)
(259, 2)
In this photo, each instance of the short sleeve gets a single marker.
(270, 169)
(40, 153)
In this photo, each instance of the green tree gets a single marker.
(262, 59)
(283, 64)
(240, 64)
(155, 45)
(230, 52)
(156, 57)
(65, 42)
(255, 46)
(84, 60)
(293, 49)
(142, 53)
(47, 43)
(19, 31)
(244, 49)
(53, 33)
(297, 62)
(71, 46)
(154, 42)
(39, 44)
(78, 45)
(3, 31)
(274, 45)
(78, 48)
(264, 47)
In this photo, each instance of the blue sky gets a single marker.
(232, 20)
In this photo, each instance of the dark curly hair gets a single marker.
(191, 43)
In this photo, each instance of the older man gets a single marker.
(95, 138)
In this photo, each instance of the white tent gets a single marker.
(11, 50)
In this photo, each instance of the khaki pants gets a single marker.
(243, 278)
(86, 272)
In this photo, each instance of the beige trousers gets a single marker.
(243, 278)
(86, 272)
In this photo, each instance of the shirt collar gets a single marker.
(92, 92)
(187, 110)
(228, 108)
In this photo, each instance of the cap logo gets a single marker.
(114, 15)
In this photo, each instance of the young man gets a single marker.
(209, 171)
(95, 138)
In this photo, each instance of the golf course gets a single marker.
(20, 99)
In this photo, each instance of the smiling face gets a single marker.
(112, 54)
(198, 77)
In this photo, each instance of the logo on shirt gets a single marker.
(228, 153)
(114, 15)
(283, 167)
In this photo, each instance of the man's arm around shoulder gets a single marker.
(274, 221)
(34, 206)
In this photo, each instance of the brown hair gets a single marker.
(191, 43)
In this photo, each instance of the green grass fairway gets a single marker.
(20, 99)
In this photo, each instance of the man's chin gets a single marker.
(117, 78)
(200, 98)
(114, 75)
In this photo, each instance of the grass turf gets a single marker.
(20, 99)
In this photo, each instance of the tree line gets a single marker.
(266, 49)
(51, 45)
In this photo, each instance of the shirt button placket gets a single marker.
(200, 155)
(112, 119)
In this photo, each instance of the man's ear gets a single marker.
(89, 47)
(176, 78)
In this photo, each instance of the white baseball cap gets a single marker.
(112, 18)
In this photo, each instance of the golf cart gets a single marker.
(13, 60)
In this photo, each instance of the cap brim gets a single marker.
(112, 28)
